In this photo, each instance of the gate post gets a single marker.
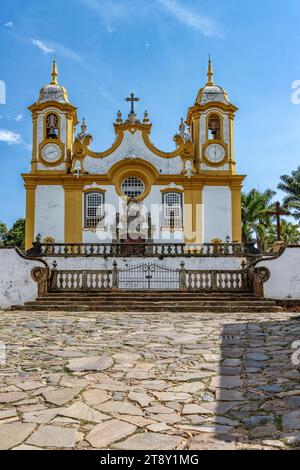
(115, 275)
(182, 276)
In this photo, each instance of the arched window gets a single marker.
(172, 210)
(94, 209)
(214, 127)
(133, 187)
(52, 126)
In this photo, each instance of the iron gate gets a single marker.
(149, 277)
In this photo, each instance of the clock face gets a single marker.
(215, 153)
(51, 153)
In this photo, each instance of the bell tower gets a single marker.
(54, 120)
(211, 121)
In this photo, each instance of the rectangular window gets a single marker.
(94, 209)
(172, 210)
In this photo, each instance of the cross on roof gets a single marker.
(278, 213)
(133, 100)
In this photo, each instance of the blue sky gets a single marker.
(157, 48)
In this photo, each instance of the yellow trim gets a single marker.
(34, 144)
(208, 144)
(172, 190)
(196, 139)
(192, 218)
(30, 216)
(49, 240)
(64, 107)
(73, 213)
(236, 212)
(55, 142)
(184, 149)
(94, 190)
(231, 131)
(208, 117)
(45, 124)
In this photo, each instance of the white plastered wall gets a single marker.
(16, 284)
(152, 203)
(50, 212)
(94, 263)
(217, 213)
(284, 282)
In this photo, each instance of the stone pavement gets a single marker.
(149, 381)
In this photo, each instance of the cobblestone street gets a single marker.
(149, 381)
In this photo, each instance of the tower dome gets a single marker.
(53, 91)
(211, 92)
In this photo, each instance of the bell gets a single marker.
(51, 133)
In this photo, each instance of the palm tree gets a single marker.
(291, 186)
(290, 234)
(255, 218)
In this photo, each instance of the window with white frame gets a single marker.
(94, 209)
(172, 210)
(133, 187)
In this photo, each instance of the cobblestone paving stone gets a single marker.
(146, 381)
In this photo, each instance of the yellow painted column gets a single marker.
(73, 213)
(236, 212)
(30, 216)
(193, 213)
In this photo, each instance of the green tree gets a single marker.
(255, 220)
(290, 234)
(291, 186)
(3, 233)
(16, 235)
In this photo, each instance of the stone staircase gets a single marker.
(151, 301)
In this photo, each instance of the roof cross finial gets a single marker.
(133, 100)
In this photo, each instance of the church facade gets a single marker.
(133, 191)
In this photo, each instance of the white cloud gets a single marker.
(9, 24)
(18, 117)
(11, 138)
(55, 48)
(42, 46)
(189, 17)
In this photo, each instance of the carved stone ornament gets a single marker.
(261, 274)
(39, 274)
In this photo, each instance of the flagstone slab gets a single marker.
(61, 396)
(172, 396)
(109, 432)
(95, 397)
(53, 437)
(12, 397)
(142, 398)
(149, 441)
(90, 363)
(13, 434)
(81, 411)
(193, 409)
(122, 407)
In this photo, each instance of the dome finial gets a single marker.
(54, 74)
(210, 73)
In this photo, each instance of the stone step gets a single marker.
(151, 308)
(146, 299)
(152, 293)
(162, 302)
